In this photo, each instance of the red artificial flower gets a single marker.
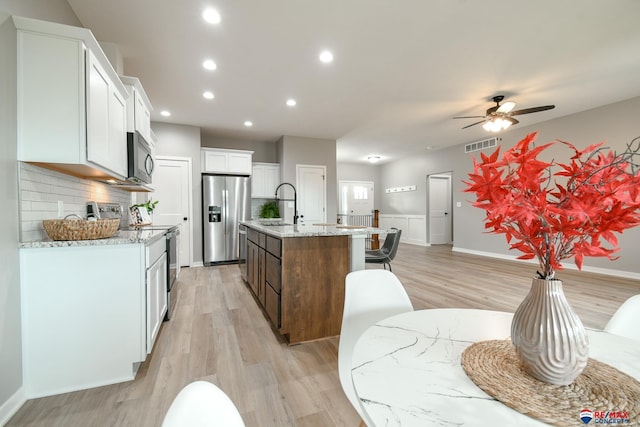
(554, 211)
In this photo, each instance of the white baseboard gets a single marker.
(11, 406)
(567, 266)
(197, 264)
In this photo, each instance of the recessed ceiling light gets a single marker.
(248, 124)
(165, 113)
(211, 16)
(208, 95)
(291, 102)
(326, 56)
(209, 64)
(373, 159)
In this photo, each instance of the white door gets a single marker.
(356, 197)
(172, 182)
(440, 209)
(312, 192)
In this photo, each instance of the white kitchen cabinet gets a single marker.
(83, 316)
(217, 160)
(71, 104)
(106, 120)
(156, 288)
(138, 108)
(264, 180)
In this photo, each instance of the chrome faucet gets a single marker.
(295, 200)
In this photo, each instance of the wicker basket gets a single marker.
(80, 229)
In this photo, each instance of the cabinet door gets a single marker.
(98, 94)
(142, 117)
(239, 163)
(262, 271)
(117, 133)
(156, 298)
(271, 179)
(257, 181)
(214, 162)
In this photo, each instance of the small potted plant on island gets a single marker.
(554, 211)
(270, 212)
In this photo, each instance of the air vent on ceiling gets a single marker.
(481, 145)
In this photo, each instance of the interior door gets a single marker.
(312, 192)
(440, 209)
(172, 182)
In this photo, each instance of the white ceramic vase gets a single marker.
(549, 337)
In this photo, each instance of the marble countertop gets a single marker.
(304, 230)
(122, 237)
(406, 369)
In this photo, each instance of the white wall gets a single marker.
(616, 123)
(184, 141)
(10, 330)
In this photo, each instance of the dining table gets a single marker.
(407, 371)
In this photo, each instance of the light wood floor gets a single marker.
(218, 334)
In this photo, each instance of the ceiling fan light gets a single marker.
(506, 124)
(488, 126)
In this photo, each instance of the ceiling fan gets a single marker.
(500, 116)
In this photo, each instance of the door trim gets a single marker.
(189, 195)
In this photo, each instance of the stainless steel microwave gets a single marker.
(139, 159)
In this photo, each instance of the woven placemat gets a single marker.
(494, 367)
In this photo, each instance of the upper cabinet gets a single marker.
(264, 180)
(138, 108)
(217, 160)
(72, 112)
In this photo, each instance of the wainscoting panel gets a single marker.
(414, 227)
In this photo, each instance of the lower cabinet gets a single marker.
(90, 314)
(156, 298)
(264, 272)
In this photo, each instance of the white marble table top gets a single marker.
(407, 372)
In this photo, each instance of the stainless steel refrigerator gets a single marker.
(226, 200)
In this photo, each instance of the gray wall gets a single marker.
(616, 123)
(48, 10)
(262, 151)
(295, 150)
(184, 141)
(10, 329)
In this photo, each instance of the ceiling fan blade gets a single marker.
(512, 120)
(469, 117)
(473, 124)
(506, 107)
(532, 110)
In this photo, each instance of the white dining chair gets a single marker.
(626, 320)
(202, 404)
(370, 296)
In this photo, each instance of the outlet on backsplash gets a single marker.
(60, 208)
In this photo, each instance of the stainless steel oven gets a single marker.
(173, 267)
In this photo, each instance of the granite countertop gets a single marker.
(122, 237)
(289, 230)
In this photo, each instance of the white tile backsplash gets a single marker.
(40, 190)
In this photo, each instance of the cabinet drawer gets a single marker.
(155, 250)
(273, 275)
(272, 306)
(274, 245)
(252, 235)
(262, 240)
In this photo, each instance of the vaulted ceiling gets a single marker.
(401, 69)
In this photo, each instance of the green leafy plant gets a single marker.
(149, 205)
(270, 210)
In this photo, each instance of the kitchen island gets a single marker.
(297, 274)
